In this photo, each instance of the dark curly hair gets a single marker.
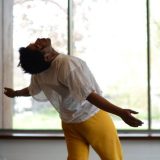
(32, 61)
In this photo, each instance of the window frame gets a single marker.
(7, 56)
(1, 51)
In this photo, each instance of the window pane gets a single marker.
(111, 37)
(155, 62)
(34, 19)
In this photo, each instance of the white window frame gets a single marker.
(6, 61)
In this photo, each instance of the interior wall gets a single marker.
(56, 150)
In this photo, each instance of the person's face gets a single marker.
(40, 44)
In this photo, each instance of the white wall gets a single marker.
(56, 150)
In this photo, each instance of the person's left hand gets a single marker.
(129, 119)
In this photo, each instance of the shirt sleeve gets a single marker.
(35, 90)
(78, 78)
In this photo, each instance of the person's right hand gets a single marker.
(9, 92)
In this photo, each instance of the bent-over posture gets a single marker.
(69, 85)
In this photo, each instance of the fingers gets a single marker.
(131, 120)
(132, 111)
(8, 92)
(136, 122)
(6, 89)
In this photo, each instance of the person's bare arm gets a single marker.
(9, 92)
(125, 114)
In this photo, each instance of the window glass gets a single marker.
(31, 20)
(111, 37)
(155, 63)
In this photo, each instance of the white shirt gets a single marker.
(66, 84)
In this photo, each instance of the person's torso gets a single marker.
(71, 110)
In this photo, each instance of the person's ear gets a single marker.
(48, 57)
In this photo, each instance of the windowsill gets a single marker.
(57, 135)
(31, 134)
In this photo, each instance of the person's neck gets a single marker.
(54, 54)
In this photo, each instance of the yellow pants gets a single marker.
(99, 132)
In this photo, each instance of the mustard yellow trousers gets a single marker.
(99, 132)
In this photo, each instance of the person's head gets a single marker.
(34, 57)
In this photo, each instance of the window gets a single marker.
(154, 64)
(33, 19)
(114, 45)
(119, 40)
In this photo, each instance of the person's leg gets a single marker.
(100, 132)
(78, 148)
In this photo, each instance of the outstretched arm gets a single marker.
(125, 114)
(9, 92)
